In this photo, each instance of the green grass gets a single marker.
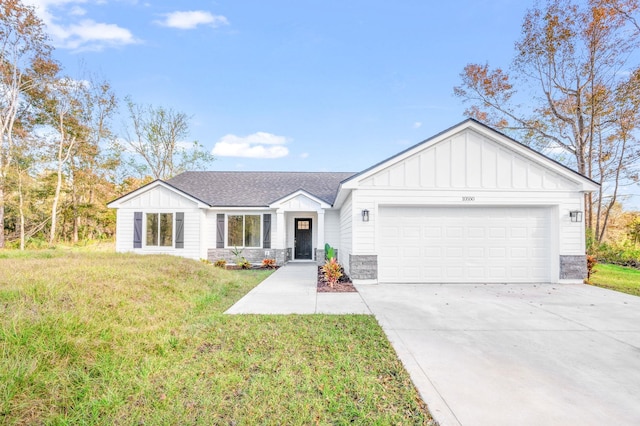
(619, 278)
(103, 338)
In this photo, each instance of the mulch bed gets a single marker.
(344, 284)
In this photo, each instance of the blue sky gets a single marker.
(312, 85)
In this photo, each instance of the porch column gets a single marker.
(320, 236)
(281, 240)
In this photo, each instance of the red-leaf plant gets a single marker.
(332, 271)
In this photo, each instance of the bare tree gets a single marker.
(157, 135)
(24, 59)
(579, 91)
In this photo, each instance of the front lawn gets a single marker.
(619, 278)
(103, 338)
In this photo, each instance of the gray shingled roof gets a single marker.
(256, 189)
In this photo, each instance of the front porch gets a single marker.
(296, 232)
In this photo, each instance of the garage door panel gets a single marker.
(497, 233)
(482, 244)
(519, 272)
(432, 232)
(476, 232)
(518, 232)
(497, 273)
(476, 273)
(430, 252)
(432, 271)
(519, 253)
(497, 252)
(454, 232)
(454, 272)
(474, 253)
(455, 252)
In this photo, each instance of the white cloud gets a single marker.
(91, 35)
(69, 30)
(188, 20)
(304, 155)
(257, 145)
(77, 11)
(417, 125)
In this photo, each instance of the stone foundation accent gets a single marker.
(573, 267)
(256, 256)
(320, 256)
(363, 266)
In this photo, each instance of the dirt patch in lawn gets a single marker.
(344, 284)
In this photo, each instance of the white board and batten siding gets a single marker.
(159, 199)
(346, 235)
(332, 228)
(433, 202)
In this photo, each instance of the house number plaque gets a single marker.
(468, 198)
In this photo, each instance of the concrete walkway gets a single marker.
(292, 290)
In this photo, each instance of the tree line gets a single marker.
(60, 159)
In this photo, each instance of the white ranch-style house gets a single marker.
(469, 205)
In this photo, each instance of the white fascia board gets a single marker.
(150, 186)
(343, 194)
(239, 208)
(278, 203)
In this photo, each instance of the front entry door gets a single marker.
(303, 240)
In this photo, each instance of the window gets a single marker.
(159, 229)
(243, 230)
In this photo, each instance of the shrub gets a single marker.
(220, 263)
(269, 263)
(329, 252)
(243, 263)
(591, 263)
(332, 271)
(625, 254)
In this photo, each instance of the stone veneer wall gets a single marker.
(281, 256)
(573, 267)
(320, 256)
(363, 267)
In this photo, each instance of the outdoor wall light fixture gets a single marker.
(575, 215)
(365, 215)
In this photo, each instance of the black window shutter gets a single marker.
(137, 230)
(266, 232)
(220, 231)
(180, 230)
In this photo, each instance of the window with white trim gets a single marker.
(244, 230)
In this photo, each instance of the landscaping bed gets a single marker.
(344, 284)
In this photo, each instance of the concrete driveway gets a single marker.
(516, 354)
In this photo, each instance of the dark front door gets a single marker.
(303, 239)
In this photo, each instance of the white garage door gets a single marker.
(453, 244)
